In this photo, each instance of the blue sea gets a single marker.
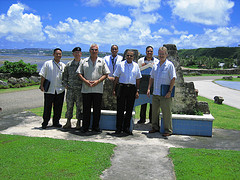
(31, 58)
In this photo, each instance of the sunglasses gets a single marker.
(94, 49)
(129, 55)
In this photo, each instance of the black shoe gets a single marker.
(141, 121)
(44, 126)
(57, 125)
(84, 130)
(97, 130)
(128, 132)
(118, 132)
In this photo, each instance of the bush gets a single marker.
(18, 69)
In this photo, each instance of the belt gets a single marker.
(127, 85)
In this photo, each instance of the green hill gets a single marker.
(218, 52)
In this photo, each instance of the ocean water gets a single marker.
(31, 58)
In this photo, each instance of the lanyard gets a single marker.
(58, 66)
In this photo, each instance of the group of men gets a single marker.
(84, 78)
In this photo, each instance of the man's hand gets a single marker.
(148, 92)
(168, 95)
(137, 95)
(111, 78)
(94, 83)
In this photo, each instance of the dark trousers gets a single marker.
(143, 112)
(55, 100)
(90, 99)
(125, 101)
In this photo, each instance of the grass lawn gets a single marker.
(234, 80)
(46, 158)
(212, 75)
(226, 117)
(19, 89)
(205, 163)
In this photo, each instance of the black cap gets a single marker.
(77, 49)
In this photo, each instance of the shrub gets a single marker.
(18, 69)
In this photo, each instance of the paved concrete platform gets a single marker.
(141, 156)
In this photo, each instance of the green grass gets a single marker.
(212, 75)
(45, 158)
(234, 79)
(19, 89)
(226, 117)
(205, 163)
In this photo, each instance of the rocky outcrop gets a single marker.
(19, 82)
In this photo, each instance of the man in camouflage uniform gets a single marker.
(73, 84)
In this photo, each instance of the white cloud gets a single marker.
(91, 2)
(222, 36)
(106, 31)
(176, 32)
(143, 5)
(17, 26)
(208, 12)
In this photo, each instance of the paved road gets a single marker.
(15, 102)
(209, 90)
(18, 101)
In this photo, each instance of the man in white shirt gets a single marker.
(148, 59)
(163, 73)
(92, 70)
(110, 102)
(52, 70)
(128, 75)
(112, 61)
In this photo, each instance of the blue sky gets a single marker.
(127, 23)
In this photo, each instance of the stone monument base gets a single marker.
(108, 120)
(194, 125)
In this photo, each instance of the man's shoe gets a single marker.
(141, 121)
(153, 131)
(166, 134)
(128, 132)
(67, 126)
(44, 126)
(57, 125)
(118, 132)
(84, 130)
(97, 130)
(78, 126)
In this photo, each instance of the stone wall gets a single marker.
(210, 71)
(185, 100)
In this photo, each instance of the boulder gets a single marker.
(3, 83)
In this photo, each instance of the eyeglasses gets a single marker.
(129, 55)
(94, 49)
(149, 51)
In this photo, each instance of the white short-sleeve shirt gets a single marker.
(93, 72)
(52, 71)
(112, 63)
(162, 75)
(128, 73)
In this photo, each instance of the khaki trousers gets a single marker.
(166, 107)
